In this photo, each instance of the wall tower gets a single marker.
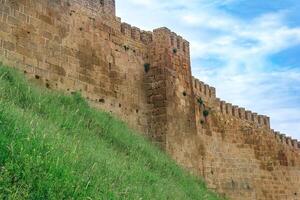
(109, 6)
(171, 92)
(106, 6)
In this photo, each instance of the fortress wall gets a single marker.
(244, 158)
(67, 46)
(203, 90)
(97, 6)
(207, 94)
(170, 92)
(145, 79)
(260, 163)
(247, 163)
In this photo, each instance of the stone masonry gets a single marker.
(145, 79)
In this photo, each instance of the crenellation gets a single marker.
(209, 93)
(136, 33)
(97, 6)
(259, 120)
(206, 90)
(235, 111)
(146, 37)
(278, 135)
(186, 47)
(228, 108)
(242, 113)
(173, 38)
(164, 33)
(197, 86)
(213, 93)
(272, 131)
(254, 118)
(195, 81)
(286, 140)
(248, 115)
(201, 87)
(266, 121)
(179, 43)
(217, 104)
(223, 107)
(126, 29)
(109, 7)
(282, 138)
(289, 141)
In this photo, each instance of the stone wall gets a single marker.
(76, 46)
(145, 79)
(244, 158)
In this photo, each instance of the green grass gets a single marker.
(54, 146)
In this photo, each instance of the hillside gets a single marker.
(54, 146)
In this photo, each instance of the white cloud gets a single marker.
(262, 36)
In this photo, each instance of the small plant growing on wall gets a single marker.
(205, 113)
(174, 50)
(200, 101)
(147, 67)
(126, 47)
(184, 93)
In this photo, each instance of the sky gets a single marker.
(248, 50)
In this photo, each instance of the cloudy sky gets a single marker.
(248, 50)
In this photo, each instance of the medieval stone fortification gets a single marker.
(145, 79)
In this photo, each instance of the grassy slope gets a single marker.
(54, 146)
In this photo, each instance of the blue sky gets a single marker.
(248, 50)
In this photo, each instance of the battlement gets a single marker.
(286, 141)
(177, 45)
(242, 114)
(208, 95)
(105, 6)
(136, 34)
(203, 90)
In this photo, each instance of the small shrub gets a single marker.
(147, 67)
(205, 113)
(200, 101)
(126, 47)
(174, 50)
